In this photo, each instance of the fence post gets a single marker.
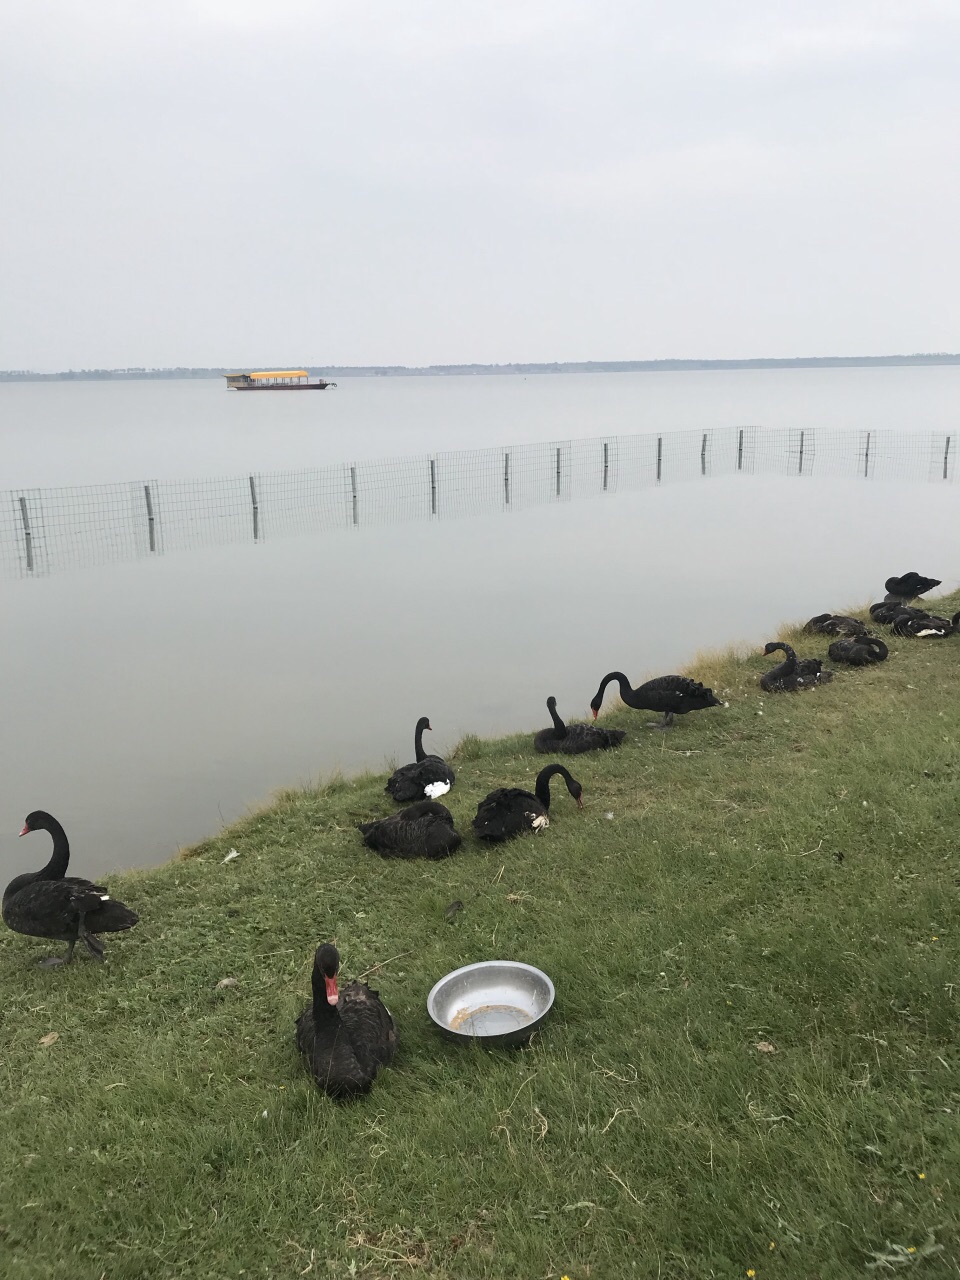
(151, 528)
(866, 459)
(606, 464)
(353, 491)
(659, 457)
(506, 479)
(433, 487)
(703, 455)
(740, 451)
(800, 467)
(558, 473)
(946, 455)
(27, 535)
(256, 509)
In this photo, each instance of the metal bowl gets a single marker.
(495, 1002)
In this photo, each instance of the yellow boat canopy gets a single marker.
(282, 373)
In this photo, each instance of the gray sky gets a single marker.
(255, 181)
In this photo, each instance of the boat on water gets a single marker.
(277, 380)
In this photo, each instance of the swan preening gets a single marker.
(422, 830)
(670, 695)
(427, 777)
(793, 673)
(574, 739)
(909, 586)
(510, 811)
(50, 904)
(346, 1034)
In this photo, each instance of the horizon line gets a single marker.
(674, 363)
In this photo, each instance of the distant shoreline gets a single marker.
(461, 370)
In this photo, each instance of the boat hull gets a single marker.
(295, 386)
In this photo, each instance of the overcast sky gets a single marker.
(248, 182)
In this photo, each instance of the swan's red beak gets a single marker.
(596, 712)
(332, 993)
(25, 831)
(579, 802)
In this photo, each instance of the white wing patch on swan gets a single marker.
(537, 821)
(435, 789)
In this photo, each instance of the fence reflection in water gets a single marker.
(45, 531)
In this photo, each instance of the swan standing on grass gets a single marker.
(509, 811)
(574, 739)
(670, 695)
(428, 776)
(346, 1034)
(793, 673)
(422, 830)
(50, 904)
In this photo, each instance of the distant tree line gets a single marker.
(448, 370)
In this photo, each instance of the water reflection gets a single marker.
(45, 531)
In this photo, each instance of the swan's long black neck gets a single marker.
(419, 753)
(56, 868)
(791, 657)
(558, 724)
(626, 692)
(542, 789)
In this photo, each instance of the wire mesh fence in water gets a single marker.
(45, 531)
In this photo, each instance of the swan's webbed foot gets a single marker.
(90, 941)
(665, 723)
(51, 962)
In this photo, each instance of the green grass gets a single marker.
(649, 1131)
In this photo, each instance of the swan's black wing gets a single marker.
(54, 908)
(507, 812)
(330, 1058)
(836, 624)
(677, 694)
(368, 1025)
(410, 781)
(423, 830)
(547, 741)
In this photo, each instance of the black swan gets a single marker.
(670, 695)
(909, 586)
(50, 904)
(927, 626)
(858, 651)
(509, 811)
(428, 776)
(793, 673)
(422, 830)
(887, 612)
(574, 739)
(346, 1035)
(835, 624)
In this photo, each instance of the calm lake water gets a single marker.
(148, 701)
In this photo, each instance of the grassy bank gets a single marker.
(751, 1068)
